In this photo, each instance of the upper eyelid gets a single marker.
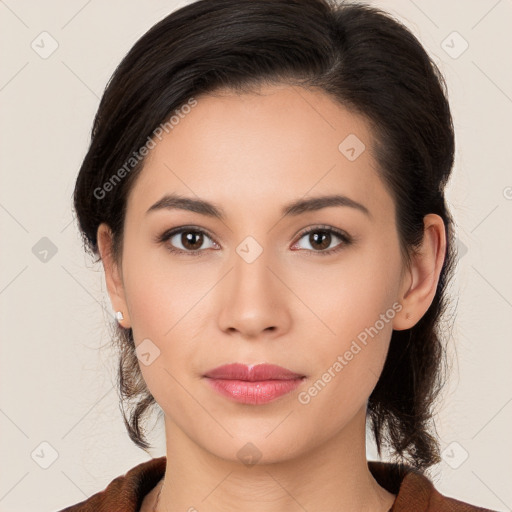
(323, 227)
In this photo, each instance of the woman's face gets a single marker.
(254, 288)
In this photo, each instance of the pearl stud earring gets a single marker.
(119, 316)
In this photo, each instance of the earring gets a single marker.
(119, 316)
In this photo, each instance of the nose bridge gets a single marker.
(251, 301)
(251, 272)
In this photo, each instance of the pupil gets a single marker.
(316, 236)
(189, 237)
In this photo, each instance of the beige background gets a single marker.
(57, 373)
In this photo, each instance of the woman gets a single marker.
(265, 190)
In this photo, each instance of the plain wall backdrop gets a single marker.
(62, 437)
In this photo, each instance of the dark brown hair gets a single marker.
(369, 63)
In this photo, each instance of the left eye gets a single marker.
(320, 240)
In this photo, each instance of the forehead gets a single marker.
(261, 148)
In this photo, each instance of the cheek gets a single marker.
(348, 365)
(160, 295)
(162, 320)
(148, 301)
(357, 304)
(167, 317)
(352, 296)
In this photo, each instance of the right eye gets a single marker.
(191, 240)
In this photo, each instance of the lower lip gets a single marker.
(258, 392)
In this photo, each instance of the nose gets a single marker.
(253, 299)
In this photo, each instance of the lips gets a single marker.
(251, 384)
(252, 373)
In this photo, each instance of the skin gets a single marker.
(291, 306)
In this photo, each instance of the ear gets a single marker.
(420, 280)
(113, 274)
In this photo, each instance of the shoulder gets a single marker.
(415, 491)
(418, 490)
(126, 492)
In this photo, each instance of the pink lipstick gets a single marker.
(253, 384)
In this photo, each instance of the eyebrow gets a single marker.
(297, 207)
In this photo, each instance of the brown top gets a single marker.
(415, 492)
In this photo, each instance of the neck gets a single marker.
(332, 476)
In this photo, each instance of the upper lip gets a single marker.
(252, 373)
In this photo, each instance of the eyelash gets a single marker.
(346, 239)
